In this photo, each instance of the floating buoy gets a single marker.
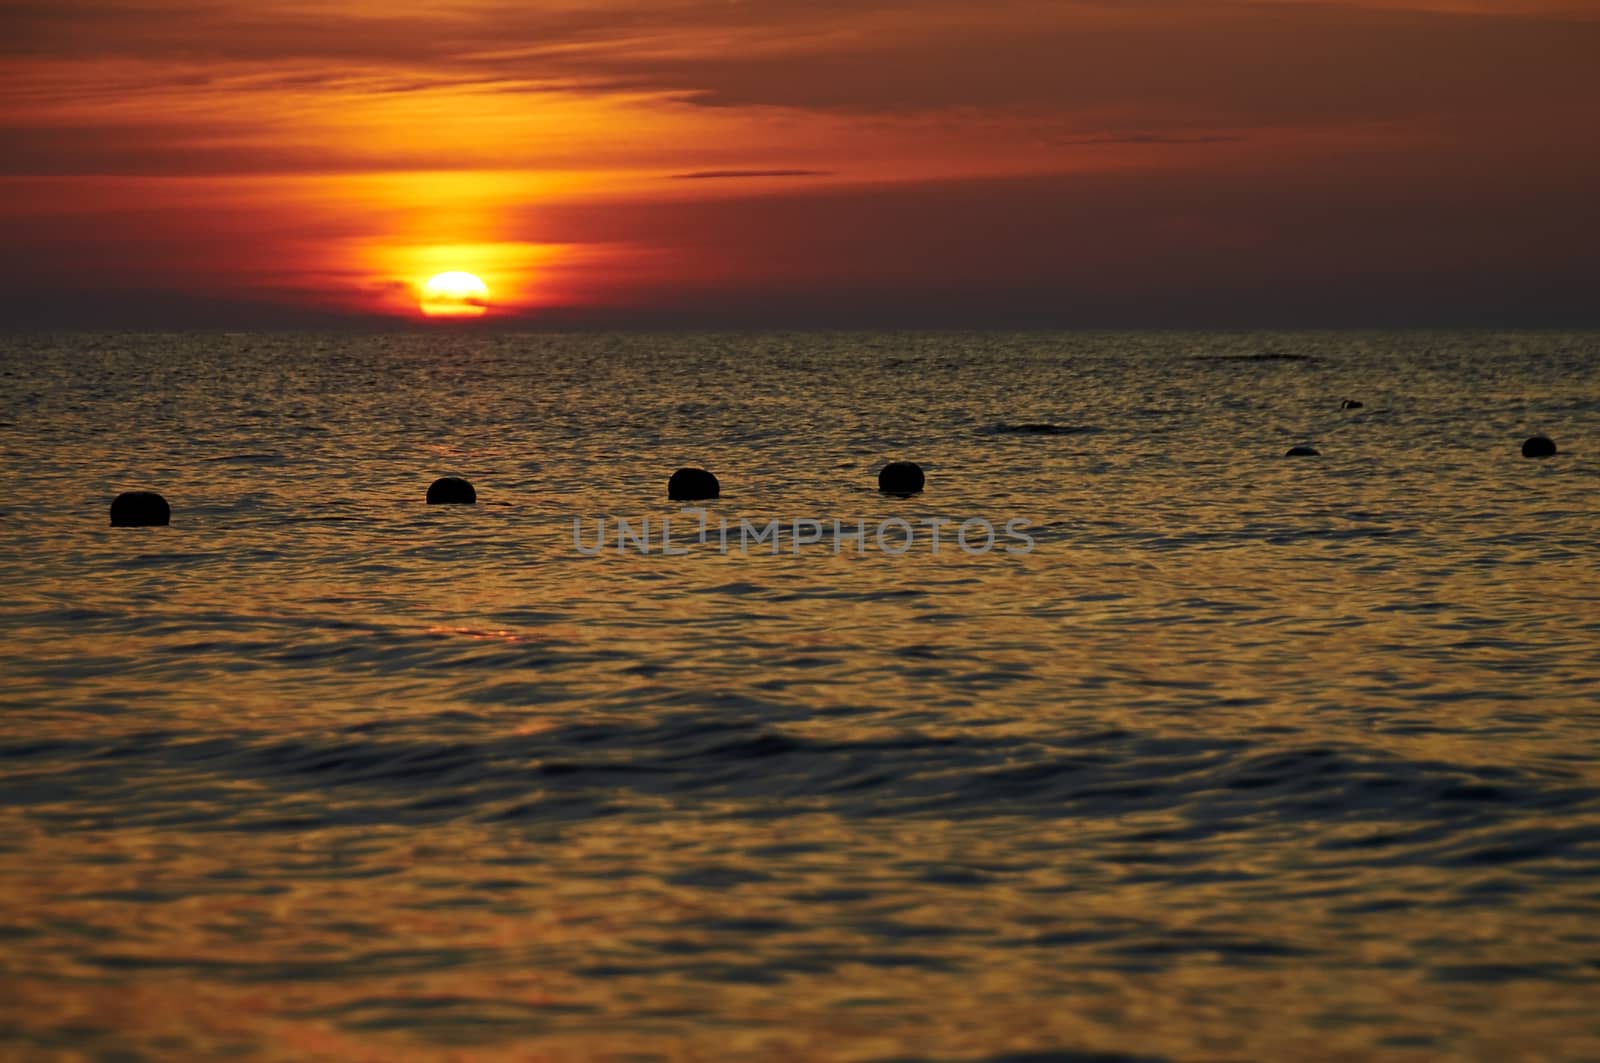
(692, 485)
(901, 478)
(140, 509)
(1539, 447)
(451, 491)
(1351, 404)
(1303, 452)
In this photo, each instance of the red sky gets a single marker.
(803, 162)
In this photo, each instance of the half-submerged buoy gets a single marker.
(1303, 452)
(451, 491)
(692, 485)
(1539, 447)
(1351, 404)
(140, 509)
(900, 478)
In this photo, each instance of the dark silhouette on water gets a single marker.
(1351, 404)
(140, 509)
(1303, 452)
(693, 485)
(900, 478)
(451, 490)
(1539, 447)
(1263, 356)
(1037, 428)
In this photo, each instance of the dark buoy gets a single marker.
(451, 491)
(1351, 404)
(1303, 452)
(900, 478)
(692, 485)
(140, 509)
(1539, 447)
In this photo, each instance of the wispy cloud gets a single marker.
(719, 175)
(889, 139)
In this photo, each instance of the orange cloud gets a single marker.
(625, 157)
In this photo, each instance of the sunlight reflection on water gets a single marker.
(1248, 758)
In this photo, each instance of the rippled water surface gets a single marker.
(1250, 757)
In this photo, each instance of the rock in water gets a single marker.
(901, 478)
(451, 491)
(1539, 447)
(693, 485)
(1303, 452)
(1351, 404)
(140, 509)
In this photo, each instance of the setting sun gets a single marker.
(454, 294)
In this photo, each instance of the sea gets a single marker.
(1169, 747)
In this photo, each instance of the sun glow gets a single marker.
(454, 294)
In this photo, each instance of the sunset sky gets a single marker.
(173, 163)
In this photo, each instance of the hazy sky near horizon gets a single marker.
(174, 163)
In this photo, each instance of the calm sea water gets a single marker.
(1249, 758)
